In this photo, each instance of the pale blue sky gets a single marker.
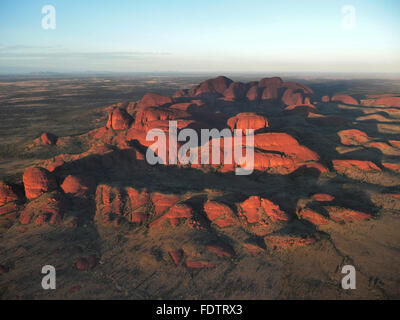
(207, 35)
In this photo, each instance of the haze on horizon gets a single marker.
(206, 36)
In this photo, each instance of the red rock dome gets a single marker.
(38, 181)
(119, 119)
(76, 185)
(154, 100)
(248, 120)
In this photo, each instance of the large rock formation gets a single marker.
(38, 181)
(77, 186)
(353, 137)
(119, 119)
(248, 120)
(271, 90)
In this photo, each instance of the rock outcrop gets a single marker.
(119, 119)
(248, 121)
(38, 181)
(154, 100)
(353, 137)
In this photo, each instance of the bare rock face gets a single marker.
(8, 194)
(154, 100)
(119, 119)
(38, 181)
(253, 94)
(220, 214)
(277, 153)
(235, 92)
(270, 82)
(270, 88)
(345, 99)
(323, 197)
(248, 120)
(77, 186)
(145, 117)
(292, 97)
(284, 143)
(266, 91)
(176, 215)
(263, 215)
(162, 202)
(367, 166)
(280, 153)
(392, 166)
(353, 137)
(313, 217)
(215, 87)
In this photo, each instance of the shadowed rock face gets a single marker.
(235, 92)
(154, 100)
(8, 194)
(77, 186)
(199, 217)
(353, 137)
(118, 119)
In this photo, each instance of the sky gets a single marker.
(201, 36)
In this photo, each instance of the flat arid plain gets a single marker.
(77, 193)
